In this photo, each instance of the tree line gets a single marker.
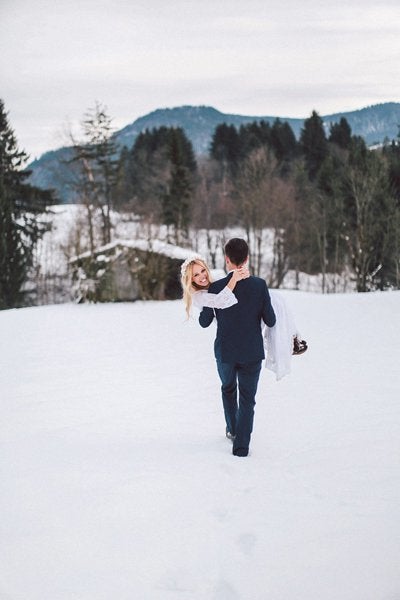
(326, 203)
(332, 203)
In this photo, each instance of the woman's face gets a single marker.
(199, 276)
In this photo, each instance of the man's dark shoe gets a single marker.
(240, 451)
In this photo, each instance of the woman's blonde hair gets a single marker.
(188, 286)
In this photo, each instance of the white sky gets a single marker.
(253, 57)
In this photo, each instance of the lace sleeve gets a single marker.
(224, 299)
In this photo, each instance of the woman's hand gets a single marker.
(243, 272)
(237, 275)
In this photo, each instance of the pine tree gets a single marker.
(340, 134)
(392, 155)
(19, 227)
(283, 141)
(13, 263)
(253, 136)
(145, 173)
(226, 146)
(313, 144)
(158, 176)
(177, 200)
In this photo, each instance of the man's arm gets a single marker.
(206, 317)
(268, 314)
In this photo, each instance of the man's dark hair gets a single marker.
(237, 251)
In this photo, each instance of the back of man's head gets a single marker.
(237, 251)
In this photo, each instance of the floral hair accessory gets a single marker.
(188, 262)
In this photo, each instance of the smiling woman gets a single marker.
(200, 276)
(196, 279)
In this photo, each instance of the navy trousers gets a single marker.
(239, 412)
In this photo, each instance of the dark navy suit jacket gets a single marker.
(239, 338)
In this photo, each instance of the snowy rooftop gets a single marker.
(157, 246)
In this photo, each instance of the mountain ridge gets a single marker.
(375, 123)
(356, 118)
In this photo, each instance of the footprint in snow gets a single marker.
(247, 542)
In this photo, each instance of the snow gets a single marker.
(157, 246)
(118, 481)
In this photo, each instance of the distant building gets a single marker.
(127, 270)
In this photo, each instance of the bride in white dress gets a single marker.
(196, 279)
(280, 342)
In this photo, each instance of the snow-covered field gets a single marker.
(118, 482)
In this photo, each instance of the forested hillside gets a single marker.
(375, 124)
(321, 204)
(331, 203)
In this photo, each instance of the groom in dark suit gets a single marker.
(238, 347)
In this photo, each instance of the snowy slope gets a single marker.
(118, 482)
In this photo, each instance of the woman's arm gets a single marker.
(225, 298)
(237, 275)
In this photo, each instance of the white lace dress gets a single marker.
(278, 340)
(224, 299)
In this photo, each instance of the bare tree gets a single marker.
(368, 199)
(263, 204)
(95, 155)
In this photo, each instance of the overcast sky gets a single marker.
(251, 57)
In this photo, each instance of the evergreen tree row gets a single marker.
(156, 177)
(332, 203)
(325, 202)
